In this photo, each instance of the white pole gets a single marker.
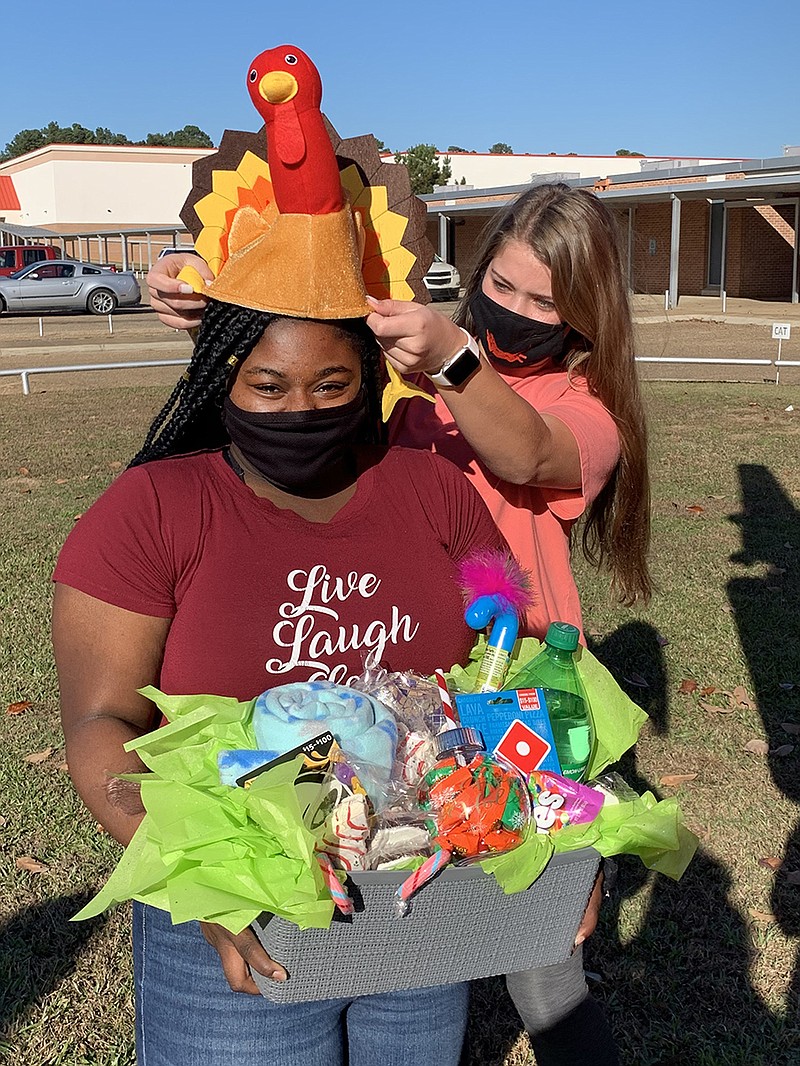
(41, 327)
(778, 368)
(110, 325)
(666, 300)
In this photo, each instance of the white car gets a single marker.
(442, 281)
(176, 250)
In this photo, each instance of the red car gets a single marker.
(14, 257)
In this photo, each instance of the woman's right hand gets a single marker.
(175, 302)
(237, 953)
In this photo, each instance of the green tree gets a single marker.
(77, 134)
(54, 133)
(22, 142)
(381, 146)
(501, 148)
(188, 137)
(103, 135)
(626, 151)
(425, 168)
(456, 148)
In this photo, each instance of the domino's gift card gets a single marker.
(515, 725)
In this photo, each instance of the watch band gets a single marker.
(460, 367)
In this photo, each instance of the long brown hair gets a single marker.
(572, 233)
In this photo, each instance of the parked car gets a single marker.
(442, 281)
(174, 251)
(67, 285)
(14, 257)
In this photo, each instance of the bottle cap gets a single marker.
(562, 635)
(463, 736)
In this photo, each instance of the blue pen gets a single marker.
(502, 637)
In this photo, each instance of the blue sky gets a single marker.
(701, 78)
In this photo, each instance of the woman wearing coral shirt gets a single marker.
(536, 400)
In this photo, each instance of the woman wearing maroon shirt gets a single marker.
(261, 536)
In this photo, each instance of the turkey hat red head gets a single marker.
(303, 224)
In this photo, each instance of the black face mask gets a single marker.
(304, 453)
(512, 341)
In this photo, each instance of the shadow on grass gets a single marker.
(677, 992)
(39, 947)
(767, 613)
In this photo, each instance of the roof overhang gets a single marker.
(756, 188)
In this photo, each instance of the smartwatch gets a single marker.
(461, 367)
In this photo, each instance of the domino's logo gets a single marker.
(523, 747)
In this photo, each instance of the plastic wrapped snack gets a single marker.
(557, 801)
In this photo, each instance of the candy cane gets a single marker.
(446, 698)
(421, 876)
(337, 889)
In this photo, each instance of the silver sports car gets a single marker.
(66, 285)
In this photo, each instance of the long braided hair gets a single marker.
(191, 419)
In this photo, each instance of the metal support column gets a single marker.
(723, 257)
(124, 241)
(443, 233)
(795, 250)
(674, 251)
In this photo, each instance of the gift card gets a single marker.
(515, 724)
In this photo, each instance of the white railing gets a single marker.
(25, 372)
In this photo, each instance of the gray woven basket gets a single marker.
(461, 926)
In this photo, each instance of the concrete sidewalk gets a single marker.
(738, 312)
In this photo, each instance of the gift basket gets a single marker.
(400, 831)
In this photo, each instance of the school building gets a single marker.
(690, 226)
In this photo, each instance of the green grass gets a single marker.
(687, 973)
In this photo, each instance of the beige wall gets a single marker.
(63, 187)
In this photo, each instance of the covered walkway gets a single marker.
(133, 248)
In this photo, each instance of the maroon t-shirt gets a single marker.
(259, 596)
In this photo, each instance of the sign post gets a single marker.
(781, 331)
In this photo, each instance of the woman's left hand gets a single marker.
(592, 912)
(238, 952)
(415, 338)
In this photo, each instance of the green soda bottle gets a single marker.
(554, 670)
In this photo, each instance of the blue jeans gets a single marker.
(186, 1015)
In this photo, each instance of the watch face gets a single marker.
(462, 367)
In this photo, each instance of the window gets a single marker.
(64, 271)
(32, 255)
(90, 270)
(7, 258)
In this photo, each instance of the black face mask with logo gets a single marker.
(305, 453)
(512, 341)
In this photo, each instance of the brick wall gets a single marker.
(766, 255)
(759, 248)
